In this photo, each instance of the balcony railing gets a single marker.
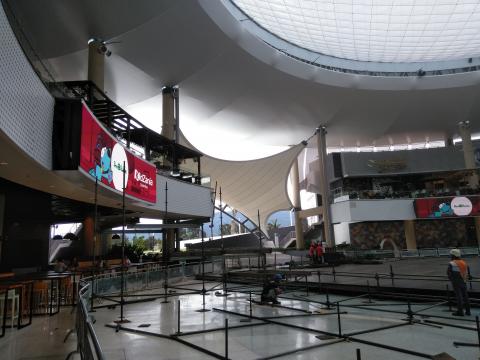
(165, 153)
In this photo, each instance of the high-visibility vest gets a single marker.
(459, 266)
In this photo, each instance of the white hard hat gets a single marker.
(455, 252)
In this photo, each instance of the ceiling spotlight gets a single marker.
(93, 40)
(102, 49)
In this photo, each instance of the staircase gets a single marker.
(287, 240)
(57, 245)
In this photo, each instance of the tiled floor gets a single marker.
(44, 339)
(267, 340)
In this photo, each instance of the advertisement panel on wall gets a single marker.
(103, 157)
(453, 206)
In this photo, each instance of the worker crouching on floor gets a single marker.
(457, 273)
(271, 290)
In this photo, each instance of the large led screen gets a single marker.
(434, 208)
(103, 157)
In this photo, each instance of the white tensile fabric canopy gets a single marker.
(252, 186)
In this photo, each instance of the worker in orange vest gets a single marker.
(457, 273)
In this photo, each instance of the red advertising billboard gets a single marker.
(453, 206)
(102, 156)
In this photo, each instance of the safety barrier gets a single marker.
(150, 277)
(425, 252)
(88, 345)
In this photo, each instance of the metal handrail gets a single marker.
(88, 345)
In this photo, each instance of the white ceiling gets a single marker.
(228, 97)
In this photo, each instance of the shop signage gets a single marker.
(447, 207)
(387, 165)
(104, 157)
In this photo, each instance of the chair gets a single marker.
(66, 286)
(14, 299)
(40, 296)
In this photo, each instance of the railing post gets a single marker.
(359, 356)
(409, 312)
(178, 317)
(369, 292)
(327, 298)
(478, 329)
(165, 285)
(392, 275)
(226, 338)
(448, 299)
(339, 320)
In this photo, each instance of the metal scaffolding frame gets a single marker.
(300, 283)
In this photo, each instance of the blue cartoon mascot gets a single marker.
(444, 209)
(102, 168)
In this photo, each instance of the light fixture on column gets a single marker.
(321, 128)
(101, 46)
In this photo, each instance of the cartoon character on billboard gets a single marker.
(444, 209)
(102, 169)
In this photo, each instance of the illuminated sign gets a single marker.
(442, 207)
(103, 157)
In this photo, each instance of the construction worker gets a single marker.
(271, 289)
(312, 252)
(320, 253)
(457, 273)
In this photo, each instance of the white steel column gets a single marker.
(325, 186)
(168, 112)
(468, 153)
(168, 130)
(295, 181)
(96, 62)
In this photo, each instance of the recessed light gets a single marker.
(51, 186)
(3, 163)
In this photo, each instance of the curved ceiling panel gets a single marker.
(228, 94)
(62, 27)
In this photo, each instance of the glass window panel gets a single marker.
(380, 30)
